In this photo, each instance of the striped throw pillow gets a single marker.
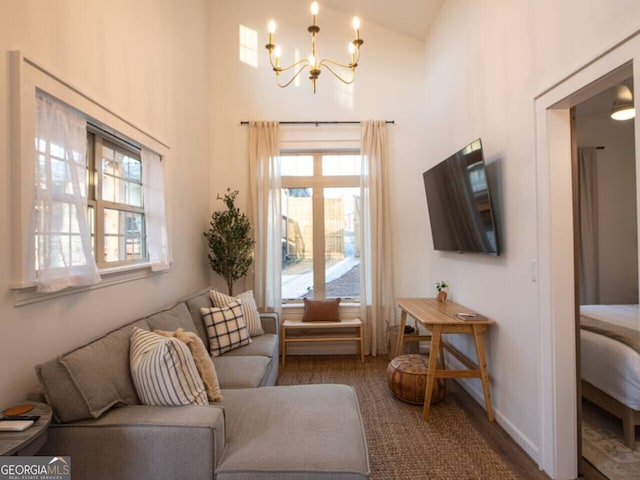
(226, 328)
(202, 359)
(249, 309)
(163, 371)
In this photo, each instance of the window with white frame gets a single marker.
(320, 225)
(116, 203)
(89, 200)
(88, 188)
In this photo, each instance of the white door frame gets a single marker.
(558, 454)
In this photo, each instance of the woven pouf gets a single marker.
(407, 376)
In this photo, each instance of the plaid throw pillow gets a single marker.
(249, 309)
(226, 328)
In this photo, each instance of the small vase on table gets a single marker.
(442, 287)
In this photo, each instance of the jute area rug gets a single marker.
(603, 446)
(401, 445)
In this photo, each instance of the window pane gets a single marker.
(131, 168)
(340, 165)
(296, 165)
(58, 242)
(297, 242)
(92, 228)
(342, 242)
(124, 236)
(108, 188)
(121, 177)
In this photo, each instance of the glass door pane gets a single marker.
(297, 242)
(342, 242)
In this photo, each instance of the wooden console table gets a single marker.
(440, 318)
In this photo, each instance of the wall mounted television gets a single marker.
(459, 203)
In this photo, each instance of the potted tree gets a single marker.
(230, 244)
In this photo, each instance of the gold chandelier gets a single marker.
(314, 64)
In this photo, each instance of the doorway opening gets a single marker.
(606, 273)
(557, 299)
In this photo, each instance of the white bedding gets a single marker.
(610, 365)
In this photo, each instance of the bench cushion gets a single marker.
(321, 310)
(297, 324)
(300, 431)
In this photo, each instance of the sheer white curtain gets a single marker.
(376, 289)
(589, 270)
(265, 211)
(155, 211)
(61, 234)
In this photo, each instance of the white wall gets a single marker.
(617, 216)
(486, 62)
(146, 61)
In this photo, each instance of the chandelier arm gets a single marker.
(290, 81)
(279, 69)
(337, 75)
(325, 62)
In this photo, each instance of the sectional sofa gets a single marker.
(258, 431)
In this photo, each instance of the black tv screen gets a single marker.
(459, 203)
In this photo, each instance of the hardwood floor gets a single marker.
(589, 472)
(493, 434)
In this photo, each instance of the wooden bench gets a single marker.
(321, 332)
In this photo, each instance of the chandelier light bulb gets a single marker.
(314, 8)
(277, 52)
(312, 60)
(272, 30)
(356, 27)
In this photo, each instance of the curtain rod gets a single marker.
(321, 122)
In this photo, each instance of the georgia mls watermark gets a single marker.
(35, 468)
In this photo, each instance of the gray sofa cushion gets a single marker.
(202, 299)
(270, 322)
(173, 318)
(61, 393)
(265, 345)
(100, 370)
(67, 394)
(305, 444)
(241, 372)
(138, 442)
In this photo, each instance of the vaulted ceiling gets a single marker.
(411, 17)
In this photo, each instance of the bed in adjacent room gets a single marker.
(610, 356)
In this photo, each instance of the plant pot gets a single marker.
(442, 296)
